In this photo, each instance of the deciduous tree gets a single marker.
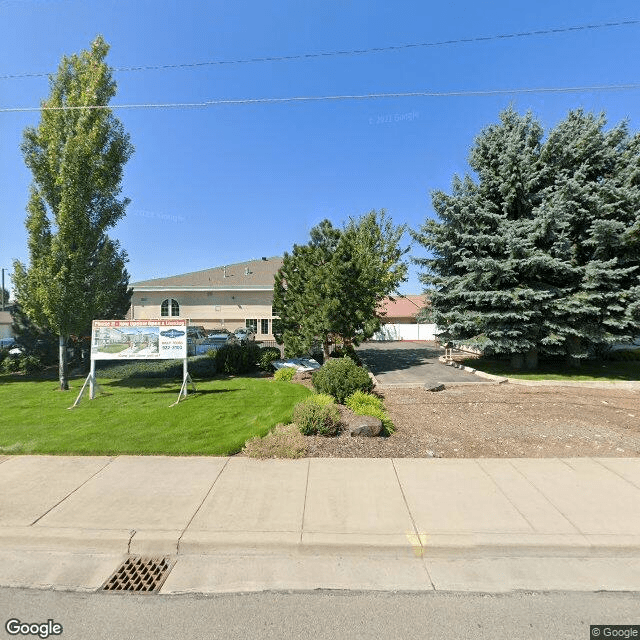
(331, 287)
(76, 155)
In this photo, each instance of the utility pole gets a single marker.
(2, 289)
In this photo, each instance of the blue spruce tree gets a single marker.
(541, 254)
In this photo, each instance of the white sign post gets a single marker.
(137, 340)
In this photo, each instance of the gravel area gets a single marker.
(499, 421)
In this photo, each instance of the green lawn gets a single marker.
(133, 416)
(589, 371)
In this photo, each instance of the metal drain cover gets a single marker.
(138, 573)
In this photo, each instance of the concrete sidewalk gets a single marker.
(237, 524)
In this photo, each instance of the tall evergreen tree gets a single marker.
(301, 296)
(332, 286)
(76, 155)
(540, 253)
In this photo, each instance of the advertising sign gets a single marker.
(139, 339)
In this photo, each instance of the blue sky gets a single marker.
(224, 184)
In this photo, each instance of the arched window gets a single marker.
(169, 308)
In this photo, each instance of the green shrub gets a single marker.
(30, 364)
(284, 374)
(340, 377)
(366, 404)
(199, 366)
(237, 358)
(321, 399)
(141, 369)
(267, 356)
(11, 364)
(202, 367)
(316, 419)
(342, 351)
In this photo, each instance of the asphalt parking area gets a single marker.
(410, 363)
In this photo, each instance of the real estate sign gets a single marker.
(139, 339)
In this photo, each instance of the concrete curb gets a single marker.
(81, 541)
(243, 543)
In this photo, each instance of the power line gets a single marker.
(352, 52)
(367, 96)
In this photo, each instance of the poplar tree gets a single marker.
(76, 155)
(540, 254)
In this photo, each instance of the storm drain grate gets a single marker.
(139, 574)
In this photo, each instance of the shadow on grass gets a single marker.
(154, 385)
(8, 378)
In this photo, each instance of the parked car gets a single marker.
(8, 343)
(214, 340)
(243, 335)
(195, 336)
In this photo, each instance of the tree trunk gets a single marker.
(574, 347)
(62, 363)
(325, 349)
(531, 359)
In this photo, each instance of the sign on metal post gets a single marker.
(138, 340)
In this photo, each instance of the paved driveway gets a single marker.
(410, 363)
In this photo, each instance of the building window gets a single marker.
(264, 327)
(169, 308)
(252, 324)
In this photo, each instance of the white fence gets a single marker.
(407, 332)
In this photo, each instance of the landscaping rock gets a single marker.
(435, 387)
(368, 426)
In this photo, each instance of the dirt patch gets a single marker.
(499, 421)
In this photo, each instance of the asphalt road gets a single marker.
(405, 362)
(320, 615)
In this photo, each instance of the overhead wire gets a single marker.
(293, 99)
(352, 52)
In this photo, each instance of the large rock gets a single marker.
(368, 426)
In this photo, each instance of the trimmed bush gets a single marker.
(237, 358)
(202, 367)
(366, 404)
(342, 351)
(30, 364)
(321, 399)
(284, 374)
(267, 356)
(340, 377)
(11, 364)
(140, 369)
(316, 419)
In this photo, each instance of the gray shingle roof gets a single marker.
(253, 273)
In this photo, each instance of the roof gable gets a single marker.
(253, 273)
(402, 306)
